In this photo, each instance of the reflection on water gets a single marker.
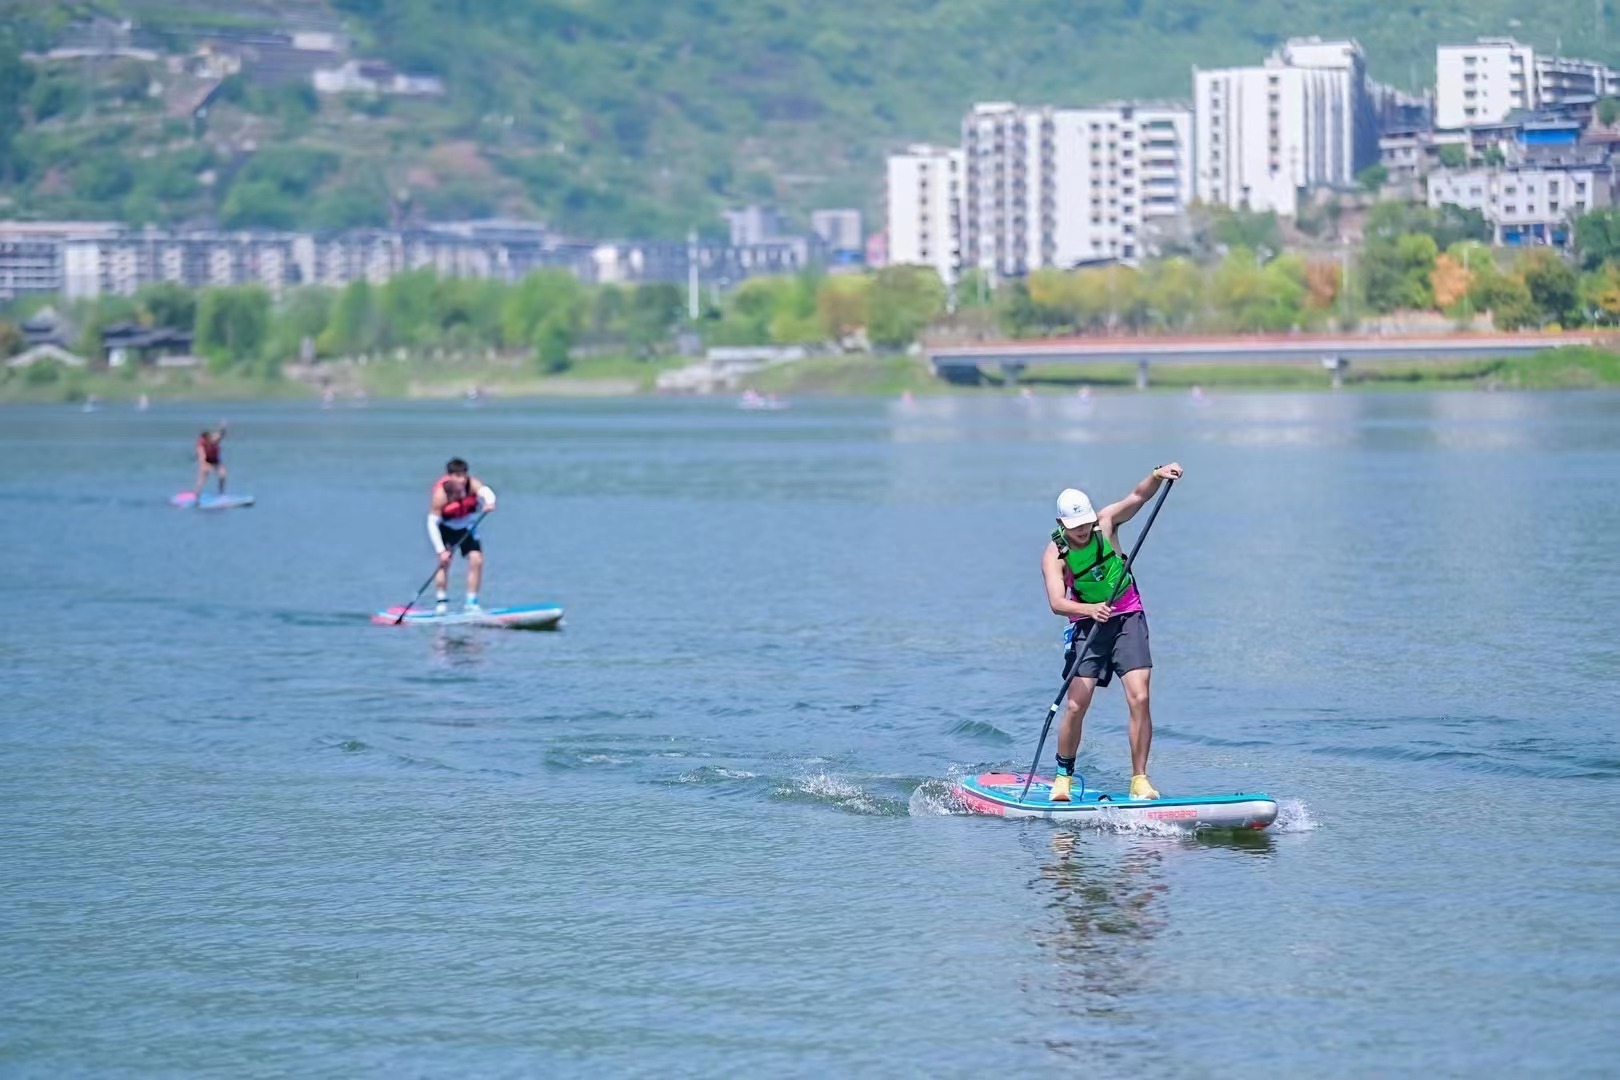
(459, 646)
(1110, 904)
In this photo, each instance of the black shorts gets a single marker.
(452, 536)
(1114, 647)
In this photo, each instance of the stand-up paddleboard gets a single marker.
(527, 617)
(999, 794)
(187, 501)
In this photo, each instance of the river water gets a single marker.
(707, 826)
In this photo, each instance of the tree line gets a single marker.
(1412, 259)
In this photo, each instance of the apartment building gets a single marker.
(840, 230)
(124, 260)
(1303, 120)
(31, 253)
(1050, 187)
(923, 194)
(1530, 203)
(1483, 82)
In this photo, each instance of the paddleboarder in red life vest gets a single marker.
(208, 460)
(1086, 582)
(457, 501)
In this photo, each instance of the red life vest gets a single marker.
(209, 448)
(459, 497)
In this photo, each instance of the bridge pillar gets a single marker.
(1338, 365)
(1141, 374)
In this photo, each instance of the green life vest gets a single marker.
(1096, 574)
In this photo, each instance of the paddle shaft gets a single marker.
(1080, 643)
(471, 529)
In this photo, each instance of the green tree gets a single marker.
(305, 313)
(1608, 111)
(1249, 296)
(1373, 178)
(1397, 274)
(353, 206)
(1453, 156)
(1505, 296)
(259, 204)
(1247, 229)
(11, 339)
(16, 76)
(553, 339)
(903, 301)
(1554, 286)
(168, 304)
(1597, 237)
(232, 325)
(103, 178)
(356, 323)
(1176, 289)
(541, 295)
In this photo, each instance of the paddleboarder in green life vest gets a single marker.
(458, 500)
(1087, 583)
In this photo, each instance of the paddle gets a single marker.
(1080, 644)
(473, 530)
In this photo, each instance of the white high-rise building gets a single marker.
(1483, 82)
(1046, 187)
(924, 191)
(1264, 134)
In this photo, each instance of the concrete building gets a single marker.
(1048, 187)
(31, 253)
(1564, 79)
(122, 262)
(1303, 120)
(840, 230)
(1528, 204)
(753, 225)
(1410, 155)
(923, 196)
(1483, 82)
(631, 262)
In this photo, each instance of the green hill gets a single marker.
(628, 116)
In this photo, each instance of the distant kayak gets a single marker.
(526, 617)
(187, 501)
(999, 794)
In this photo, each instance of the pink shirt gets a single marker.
(1131, 601)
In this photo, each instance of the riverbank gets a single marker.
(1556, 369)
(424, 378)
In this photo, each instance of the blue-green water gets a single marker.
(707, 826)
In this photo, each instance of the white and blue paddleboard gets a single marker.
(526, 617)
(187, 501)
(1001, 794)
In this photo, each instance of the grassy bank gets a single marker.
(414, 377)
(426, 378)
(421, 377)
(50, 383)
(1555, 369)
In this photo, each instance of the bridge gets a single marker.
(960, 361)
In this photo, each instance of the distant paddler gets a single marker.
(209, 461)
(1088, 583)
(458, 501)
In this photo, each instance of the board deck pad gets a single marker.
(1001, 794)
(524, 617)
(187, 501)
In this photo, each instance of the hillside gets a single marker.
(623, 116)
